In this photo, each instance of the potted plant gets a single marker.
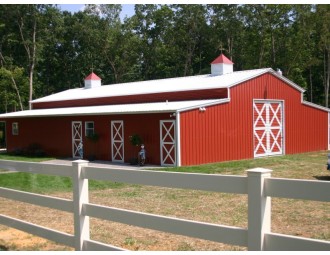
(93, 138)
(136, 141)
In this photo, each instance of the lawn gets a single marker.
(294, 217)
(5, 156)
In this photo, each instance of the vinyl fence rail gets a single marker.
(258, 185)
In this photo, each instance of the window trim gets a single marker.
(89, 131)
(14, 128)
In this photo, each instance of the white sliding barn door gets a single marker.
(267, 128)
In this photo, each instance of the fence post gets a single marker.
(80, 196)
(259, 208)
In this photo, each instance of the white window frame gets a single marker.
(89, 131)
(14, 128)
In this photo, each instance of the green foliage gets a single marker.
(135, 140)
(158, 41)
(94, 137)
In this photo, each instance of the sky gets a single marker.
(129, 3)
(127, 9)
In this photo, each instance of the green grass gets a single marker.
(5, 156)
(313, 160)
(39, 183)
(289, 166)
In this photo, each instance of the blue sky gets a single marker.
(127, 9)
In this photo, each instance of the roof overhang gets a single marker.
(144, 108)
(322, 108)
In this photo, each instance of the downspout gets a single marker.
(178, 129)
(178, 140)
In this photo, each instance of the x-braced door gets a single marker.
(329, 131)
(167, 143)
(117, 140)
(77, 145)
(268, 128)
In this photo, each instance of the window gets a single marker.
(15, 128)
(89, 128)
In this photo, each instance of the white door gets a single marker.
(167, 143)
(329, 131)
(77, 145)
(2, 134)
(117, 140)
(267, 128)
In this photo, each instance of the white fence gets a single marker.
(258, 185)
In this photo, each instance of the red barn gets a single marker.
(192, 120)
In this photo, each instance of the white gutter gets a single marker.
(220, 101)
(314, 105)
(178, 138)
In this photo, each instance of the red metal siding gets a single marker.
(225, 132)
(47, 132)
(156, 97)
(55, 135)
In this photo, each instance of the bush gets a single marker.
(135, 140)
(33, 150)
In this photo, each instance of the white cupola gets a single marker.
(92, 81)
(221, 65)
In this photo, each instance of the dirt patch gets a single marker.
(12, 239)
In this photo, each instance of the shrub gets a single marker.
(33, 150)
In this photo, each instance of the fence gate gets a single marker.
(77, 145)
(167, 143)
(117, 140)
(267, 128)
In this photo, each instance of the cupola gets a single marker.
(221, 65)
(92, 81)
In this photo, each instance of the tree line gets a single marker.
(44, 50)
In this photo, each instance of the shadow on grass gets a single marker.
(323, 178)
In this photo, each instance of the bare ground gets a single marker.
(219, 208)
(293, 217)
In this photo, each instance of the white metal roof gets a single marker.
(158, 107)
(161, 86)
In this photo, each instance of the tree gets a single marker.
(190, 25)
(27, 19)
(228, 31)
(322, 25)
(55, 50)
